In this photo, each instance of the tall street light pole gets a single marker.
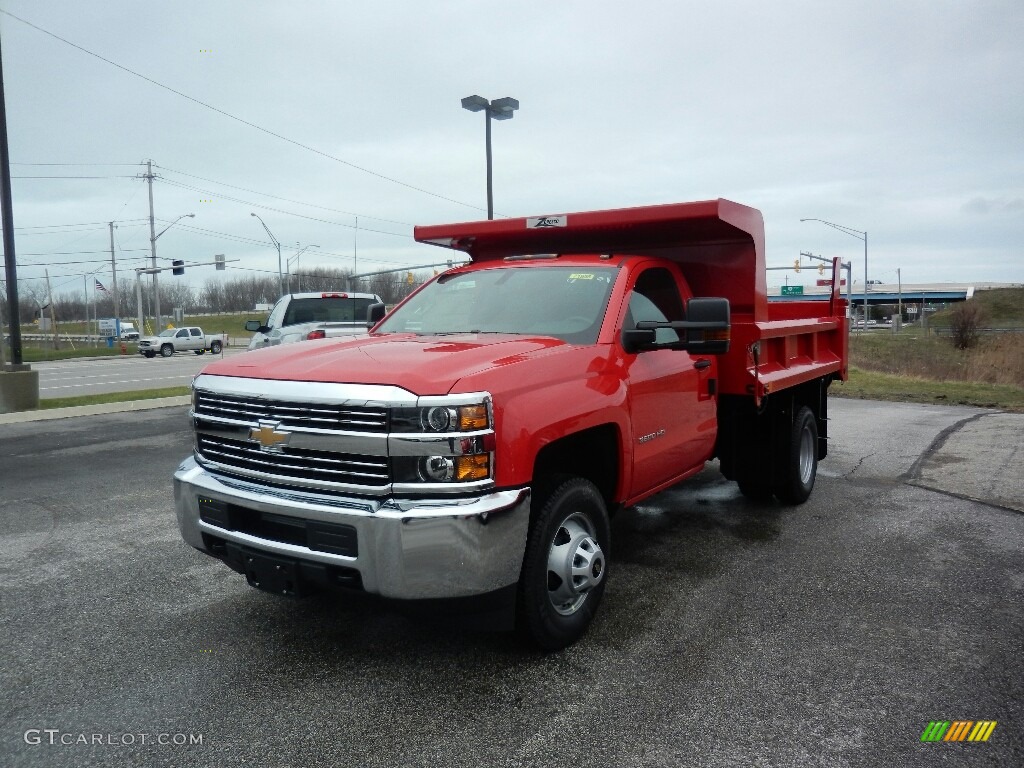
(280, 275)
(860, 235)
(499, 109)
(152, 246)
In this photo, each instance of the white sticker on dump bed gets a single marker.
(546, 221)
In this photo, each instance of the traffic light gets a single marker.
(178, 267)
(219, 261)
(796, 265)
(410, 279)
(821, 269)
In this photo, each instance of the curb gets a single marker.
(23, 417)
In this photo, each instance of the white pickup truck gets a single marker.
(302, 316)
(188, 339)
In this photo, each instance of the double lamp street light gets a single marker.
(499, 109)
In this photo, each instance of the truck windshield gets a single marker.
(567, 303)
(328, 309)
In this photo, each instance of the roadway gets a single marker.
(731, 633)
(125, 373)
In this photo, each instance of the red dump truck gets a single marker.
(469, 451)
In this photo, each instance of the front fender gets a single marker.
(540, 410)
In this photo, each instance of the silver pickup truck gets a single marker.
(188, 339)
(302, 316)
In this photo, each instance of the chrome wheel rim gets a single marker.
(806, 456)
(576, 564)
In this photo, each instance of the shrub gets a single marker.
(964, 322)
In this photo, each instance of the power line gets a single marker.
(239, 119)
(277, 210)
(73, 177)
(286, 199)
(80, 224)
(91, 165)
(71, 253)
(67, 263)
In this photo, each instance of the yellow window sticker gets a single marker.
(581, 276)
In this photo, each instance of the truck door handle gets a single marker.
(700, 365)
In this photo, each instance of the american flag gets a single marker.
(100, 286)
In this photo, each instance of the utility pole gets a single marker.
(113, 269)
(53, 315)
(899, 299)
(11, 266)
(152, 247)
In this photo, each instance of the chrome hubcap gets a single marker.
(575, 564)
(806, 456)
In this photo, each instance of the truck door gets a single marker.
(196, 340)
(673, 420)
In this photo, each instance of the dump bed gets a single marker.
(719, 246)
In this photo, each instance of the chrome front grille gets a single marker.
(291, 415)
(309, 466)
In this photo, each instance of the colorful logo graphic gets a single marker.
(958, 730)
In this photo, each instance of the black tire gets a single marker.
(150, 354)
(166, 350)
(755, 491)
(799, 459)
(569, 535)
(216, 347)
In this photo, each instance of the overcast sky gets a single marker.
(903, 119)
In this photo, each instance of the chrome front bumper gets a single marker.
(407, 549)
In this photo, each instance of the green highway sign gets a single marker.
(792, 290)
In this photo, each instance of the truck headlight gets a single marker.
(441, 443)
(437, 469)
(441, 418)
(443, 469)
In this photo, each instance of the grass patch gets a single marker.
(112, 397)
(997, 358)
(875, 385)
(41, 354)
(1002, 307)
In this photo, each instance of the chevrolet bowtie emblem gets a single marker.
(269, 436)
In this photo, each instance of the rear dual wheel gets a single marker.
(798, 464)
(800, 459)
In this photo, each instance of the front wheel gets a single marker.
(166, 350)
(216, 347)
(799, 459)
(565, 567)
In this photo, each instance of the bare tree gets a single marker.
(965, 322)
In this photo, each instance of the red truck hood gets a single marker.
(424, 365)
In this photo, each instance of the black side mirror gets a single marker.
(374, 314)
(708, 326)
(638, 339)
(255, 326)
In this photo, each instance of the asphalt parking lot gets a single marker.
(731, 634)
